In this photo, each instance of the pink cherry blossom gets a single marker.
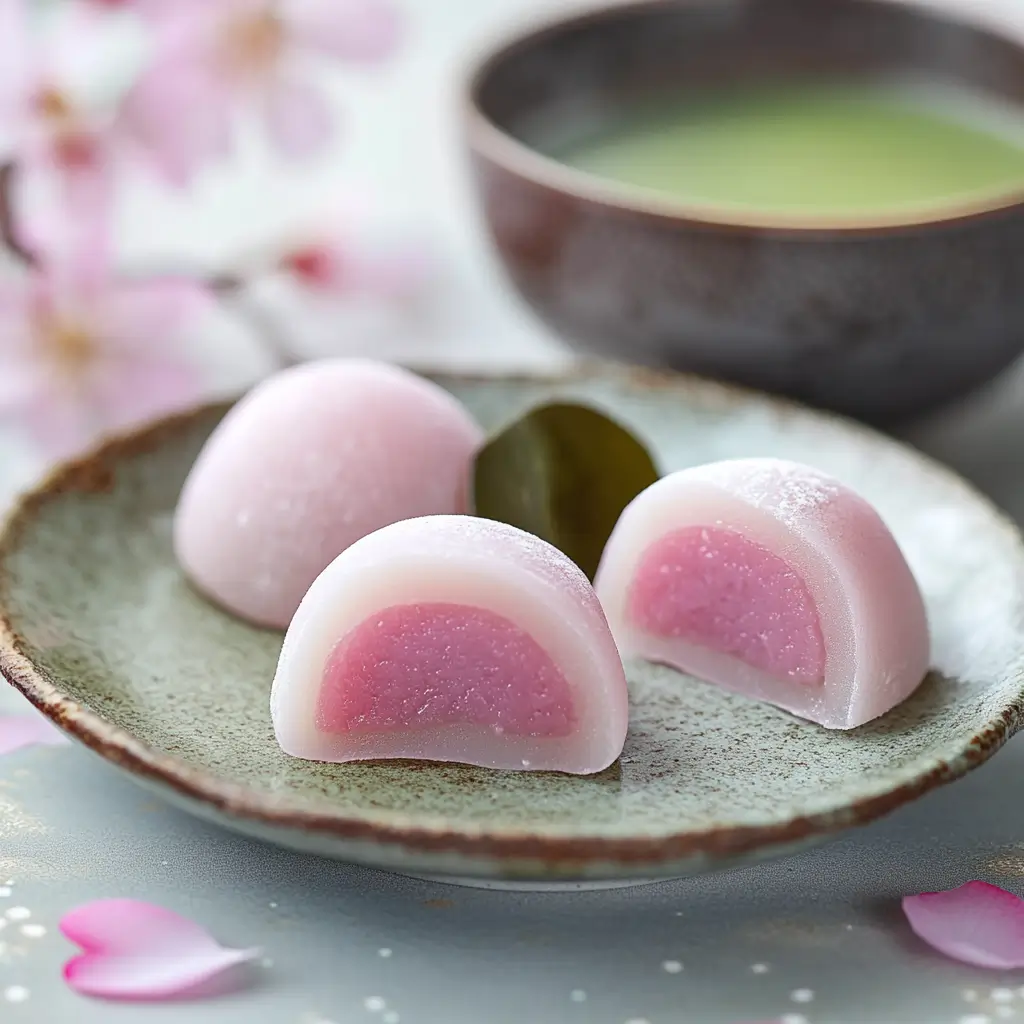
(977, 923)
(57, 103)
(19, 731)
(348, 265)
(138, 951)
(83, 354)
(214, 59)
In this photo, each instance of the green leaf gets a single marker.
(563, 472)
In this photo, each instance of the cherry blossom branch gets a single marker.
(226, 286)
(230, 287)
(8, 231)
(109, 348)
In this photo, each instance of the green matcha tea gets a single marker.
(828, 149)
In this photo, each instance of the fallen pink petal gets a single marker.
(977, 923)
(137, 951)
(20, 731)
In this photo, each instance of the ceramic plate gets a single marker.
(103, 634)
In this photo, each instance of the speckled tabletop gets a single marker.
(752, 944)
(815, 938)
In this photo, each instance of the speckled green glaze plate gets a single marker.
(103, 634)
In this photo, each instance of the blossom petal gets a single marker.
(89, 184)
(20, 386)
(88, 53)
(128, 394)
(977, 923)
(16, 55)
(68, 414)
(349, 260)
(181, 115)
(298, 116)
(15, 310)
(61, 421)
(73, 230)
(138, 951)
(365, 31)
(161, 10)
(147, 371)
(18, 731)
(22, 375)
(148, 316)
(14, 42)
(136, 364)
(395, 271)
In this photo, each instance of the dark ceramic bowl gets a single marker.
(881, 318)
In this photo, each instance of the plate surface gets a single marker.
(101, 632)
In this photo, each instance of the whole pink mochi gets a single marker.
(308, 462)
(452, 638)
(771, 579)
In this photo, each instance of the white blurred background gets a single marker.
(399, 160)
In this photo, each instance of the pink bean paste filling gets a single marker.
(714, 587)
(420, 666)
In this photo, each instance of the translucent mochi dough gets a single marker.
(307, 463)
(451, 638)
(772, 580)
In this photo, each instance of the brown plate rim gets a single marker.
(93, 472)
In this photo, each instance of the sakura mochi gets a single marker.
(452, 638)
(771, 579)
(307, 463)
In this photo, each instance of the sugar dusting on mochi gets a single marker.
(452, 638)
(308, 462)
(771, 579)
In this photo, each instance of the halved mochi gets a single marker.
(771, 579)
(308, 462)
(452, 638)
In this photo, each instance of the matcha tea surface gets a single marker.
(814, 149)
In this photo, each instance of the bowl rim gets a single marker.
(580, 856)
(488, 140)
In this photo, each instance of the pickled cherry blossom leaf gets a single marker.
(563, 472)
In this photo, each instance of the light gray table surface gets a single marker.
(72, 829)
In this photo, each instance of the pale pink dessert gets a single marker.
(307, 463)
(452, 638)
(771, 579)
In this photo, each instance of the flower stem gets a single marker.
(274, 341)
